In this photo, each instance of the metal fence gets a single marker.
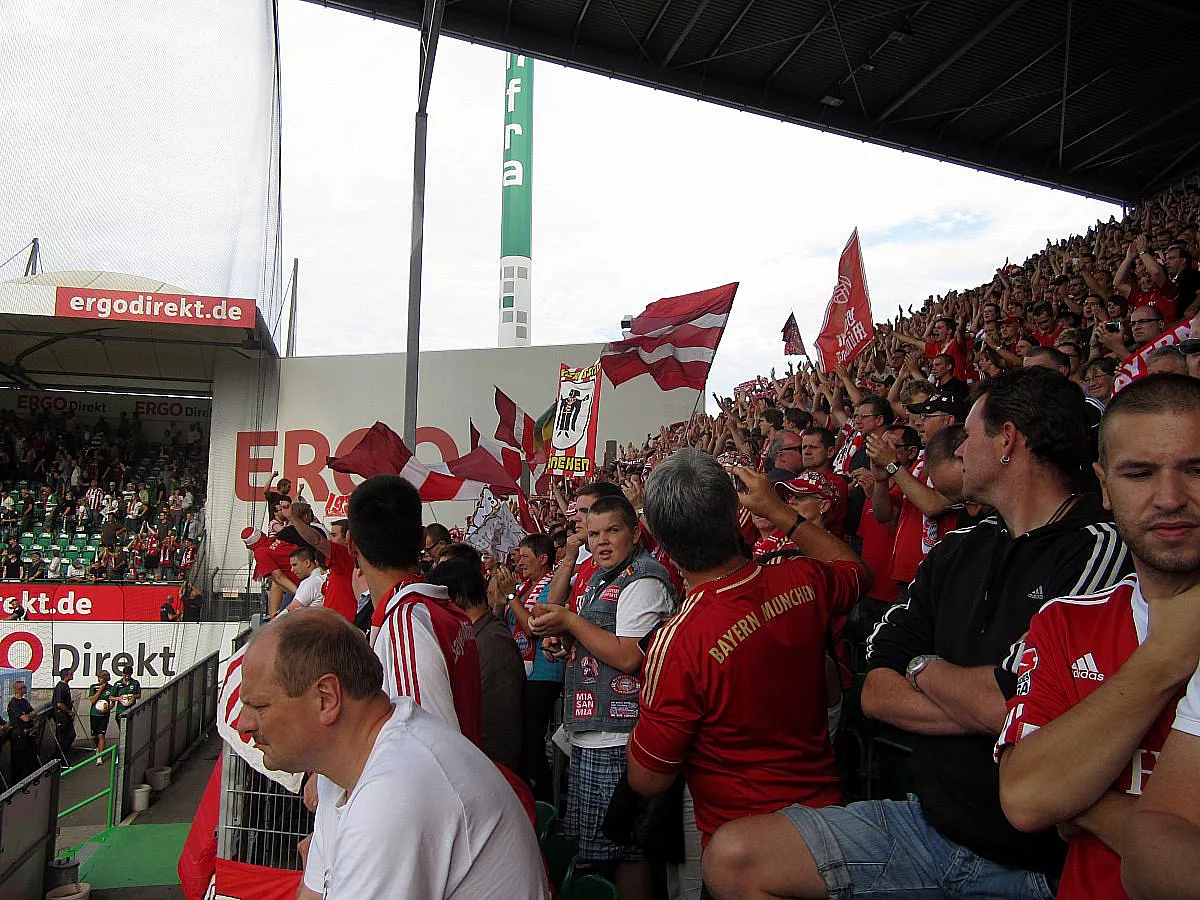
(163, 728)
(261, 822)
(28, 817)
(231, 596)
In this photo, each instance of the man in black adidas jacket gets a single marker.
(942, 666)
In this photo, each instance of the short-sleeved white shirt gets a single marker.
(431, 817)
(308, 592)
(1187, 713)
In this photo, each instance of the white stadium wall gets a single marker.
(245, 401)
(324, 400)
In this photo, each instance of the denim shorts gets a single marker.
(885, 848)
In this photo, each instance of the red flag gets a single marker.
(526, 517)
(198, 859)
(247, 882)
(481, 466)
(517, 428)
(1137, 366)
(382, 452)
(793, 343)
(848, 328)
(509, 458)
(675, 340)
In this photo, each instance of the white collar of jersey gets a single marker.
(417, 587)
(1141, 610)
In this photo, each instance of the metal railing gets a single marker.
(109, 755)
(261, 822)
(28, 824)
(163, 728)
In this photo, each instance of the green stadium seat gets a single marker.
(561, 854)
(79, 541)
(547, 816)
(46, 536)
(26, 541)
(591, 887)
(71, 555)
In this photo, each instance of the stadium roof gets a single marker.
(39, 350)
(982, 83)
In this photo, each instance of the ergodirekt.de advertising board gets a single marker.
(138, 306)
(156, 652)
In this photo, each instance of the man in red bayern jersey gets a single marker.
(707, 709)
(1101, 675)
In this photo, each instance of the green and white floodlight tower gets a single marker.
(516, 222)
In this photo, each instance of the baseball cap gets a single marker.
(940, 404)
(806, 484)
(1011, 320)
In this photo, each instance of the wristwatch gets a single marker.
(916, 666)
(891, 468)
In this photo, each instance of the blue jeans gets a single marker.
(885, 848)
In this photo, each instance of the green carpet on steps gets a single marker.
(135, 856)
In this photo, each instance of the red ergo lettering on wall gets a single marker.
(305, 451)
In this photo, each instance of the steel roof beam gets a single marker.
(950, 60)
(687, 29)
(1140, 133)
(1053, 106)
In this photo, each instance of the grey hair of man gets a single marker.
(691, 506)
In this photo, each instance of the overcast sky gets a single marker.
(139, 154)
(638, 194)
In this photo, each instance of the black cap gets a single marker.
(940, 403)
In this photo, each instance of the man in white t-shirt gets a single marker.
(310, 578)
(409, 808)
(626, 599)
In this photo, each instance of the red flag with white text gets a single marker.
(1137, 366)
(848, 327)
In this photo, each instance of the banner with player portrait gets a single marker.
(573, 443)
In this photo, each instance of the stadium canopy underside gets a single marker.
(1094, 96)
(40, 351)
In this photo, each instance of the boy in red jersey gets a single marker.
(1101, 674)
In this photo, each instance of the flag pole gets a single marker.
(431, 25)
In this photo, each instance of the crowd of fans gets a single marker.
(97, 501)
(978, 543)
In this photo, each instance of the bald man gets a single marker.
(408, 806)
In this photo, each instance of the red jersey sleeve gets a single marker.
(339, 587)
(671, 704)
(1043, 680)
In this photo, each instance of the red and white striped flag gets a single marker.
(517, 428)
(674, 340)
(509, 458)
(382, 452)
(229, 707)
